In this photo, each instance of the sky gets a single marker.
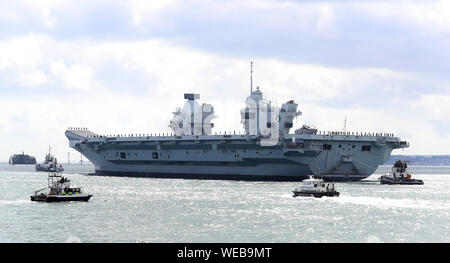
(123, 66)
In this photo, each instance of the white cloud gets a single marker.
(142, 8)
(35, 11)
(435, 106)
(32, 78)
(74, 77)
(429, 16)
(22, 52)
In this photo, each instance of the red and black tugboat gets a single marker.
(400, 175)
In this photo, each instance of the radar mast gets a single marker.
(251, 77)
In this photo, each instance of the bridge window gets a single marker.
(155, 155)
(123, 155)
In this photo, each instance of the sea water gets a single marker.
(125, 209)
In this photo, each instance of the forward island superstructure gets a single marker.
(265, 151)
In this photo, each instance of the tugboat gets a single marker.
(399, 175)
(50, 164)
(59, 190)
(315, 187)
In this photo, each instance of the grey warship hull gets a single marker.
(265, 152)
(338, 156)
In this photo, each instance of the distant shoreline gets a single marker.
(422, 160)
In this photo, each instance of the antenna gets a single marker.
(345, 123)
(251, 77)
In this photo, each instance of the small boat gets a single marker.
(315, 187)
(50, 164)
(59, 190)
(400, 175)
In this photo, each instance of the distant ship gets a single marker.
(22, 159)
(264, 151)
(50, 164)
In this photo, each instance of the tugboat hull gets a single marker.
(401, 181)
(48, 169)
(60, 198)
(317, 195)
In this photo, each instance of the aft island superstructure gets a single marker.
(264, 151)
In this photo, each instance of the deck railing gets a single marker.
(228, 134)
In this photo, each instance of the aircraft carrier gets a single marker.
(265, 151)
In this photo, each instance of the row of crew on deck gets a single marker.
(370, 134)
(156, 134)
(325, 133)
(77, 129)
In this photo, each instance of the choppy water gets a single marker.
(164, 210)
